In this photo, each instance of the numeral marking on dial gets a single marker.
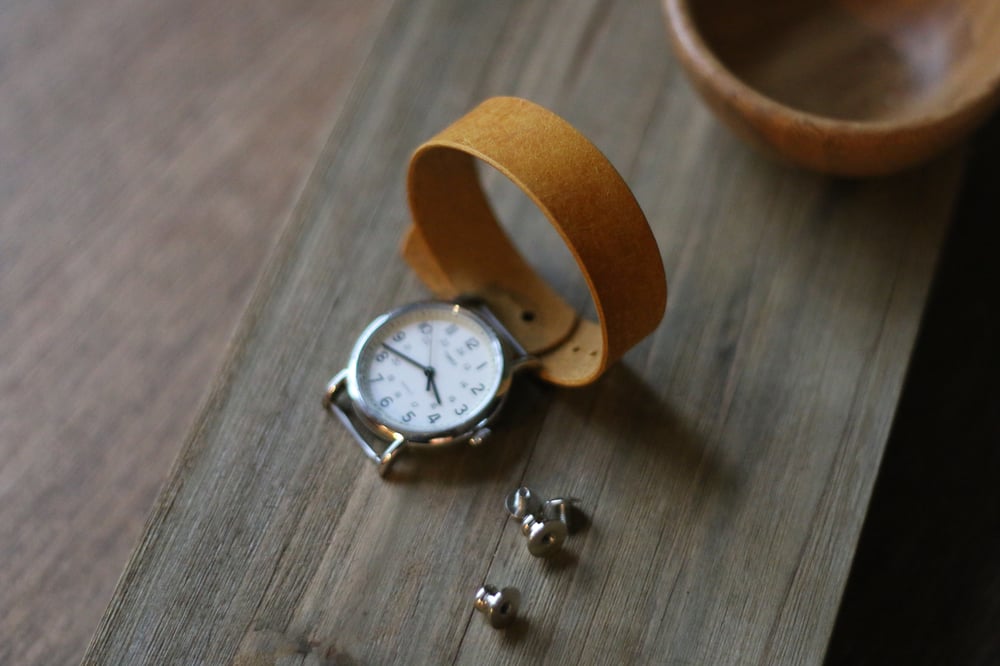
(429, 371)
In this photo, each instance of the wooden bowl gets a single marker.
(849, 87)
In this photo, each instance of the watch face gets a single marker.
(427, 369)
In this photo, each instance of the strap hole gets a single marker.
(527, 315)
(593, 353)
(576, 349)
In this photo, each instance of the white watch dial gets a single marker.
(430, 368)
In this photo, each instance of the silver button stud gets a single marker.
(499, 607)
(545, 523)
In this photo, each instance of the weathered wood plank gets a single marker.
(726, 463)
(149, 153)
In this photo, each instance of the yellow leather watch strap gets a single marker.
(457, 247)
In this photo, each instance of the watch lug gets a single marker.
(333, 387)
(389, 455)
(528, 361)
(521, 359)
(385, 459)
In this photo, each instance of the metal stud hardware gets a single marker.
(545, 523)
(499, 607)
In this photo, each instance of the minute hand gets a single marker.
(407, 358)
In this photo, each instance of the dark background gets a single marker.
(925, 584)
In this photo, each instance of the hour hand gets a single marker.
(431, 384)
(406, 358)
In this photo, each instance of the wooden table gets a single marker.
(149, 154)
(726, 464)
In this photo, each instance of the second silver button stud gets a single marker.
(545, 523)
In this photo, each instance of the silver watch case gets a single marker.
(474, 430)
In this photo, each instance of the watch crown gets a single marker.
(479, 436)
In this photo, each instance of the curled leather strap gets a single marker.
(457, 247)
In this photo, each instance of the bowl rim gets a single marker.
(696, 53)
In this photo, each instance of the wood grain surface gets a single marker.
(149, 152)
(726, 464)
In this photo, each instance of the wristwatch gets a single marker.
(427, 374)
(436, 373)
